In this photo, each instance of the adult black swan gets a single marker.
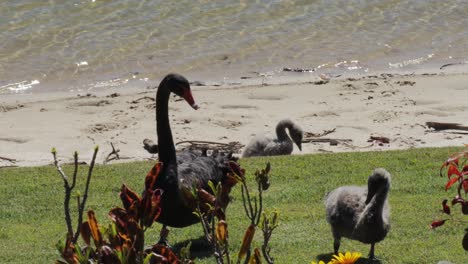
(262, 145)
(181, 173)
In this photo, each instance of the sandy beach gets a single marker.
(349, 111)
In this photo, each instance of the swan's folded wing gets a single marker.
(256, 146)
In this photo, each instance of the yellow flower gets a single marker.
(347, 258)
(320, 262)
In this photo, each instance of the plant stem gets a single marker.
(68, 189)
(85, 196)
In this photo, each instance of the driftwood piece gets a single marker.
(142, 98)
(310, 137)
(445, 126)
(114, 152)
(378, 139)
(324, 133)
(451, 64)
(8, 159)
(332, 141)
(287, 69)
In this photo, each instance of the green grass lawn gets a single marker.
(31, 207)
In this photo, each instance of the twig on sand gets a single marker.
(324, 133)
(143, 98)
(332, 141)
(379, 139)
(233, 146)
(317, 138)
(114, 152)
(286, 69)
(452, 64)
(444, 126)
(8, 159)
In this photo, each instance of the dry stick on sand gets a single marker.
(13, 161)
(113, 152)
(8, 159)
(200, 144)
(314, 138)
(445, 126)
(379, 139)
(332, 141)
(143, 98)
(324, 133)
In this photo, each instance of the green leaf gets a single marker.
(210, 207)
(113, 230)
(212, 186)
(120, 256)
(147, 259)
(60, 246)
(79, 254)
(185, 251)
(197, 214)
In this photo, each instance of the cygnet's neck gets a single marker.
(281, 130)
(377, 202)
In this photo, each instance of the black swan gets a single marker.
(360, 213)
(262, 145)
(185, 171)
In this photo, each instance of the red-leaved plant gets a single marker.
(215, 226)
(123, 241)
(456, 168)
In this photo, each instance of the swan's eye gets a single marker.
(177, 89)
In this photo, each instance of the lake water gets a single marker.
(56, 45)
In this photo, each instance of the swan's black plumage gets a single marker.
(181, 173)
(360, 213)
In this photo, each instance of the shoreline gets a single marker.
(389, 105)
(281, 75)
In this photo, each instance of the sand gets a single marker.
(352, 110)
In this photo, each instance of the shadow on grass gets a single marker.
(200, 248)
(327, 257)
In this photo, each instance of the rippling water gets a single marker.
(50, 45)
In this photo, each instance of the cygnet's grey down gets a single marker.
(360, 213)
(262, 145)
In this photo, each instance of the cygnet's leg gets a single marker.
(371, 253)
(163, 236)
(336, 242)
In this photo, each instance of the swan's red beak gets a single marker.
(189, 98)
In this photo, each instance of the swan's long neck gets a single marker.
(167, 152)
(281, 130)
(377, 201)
